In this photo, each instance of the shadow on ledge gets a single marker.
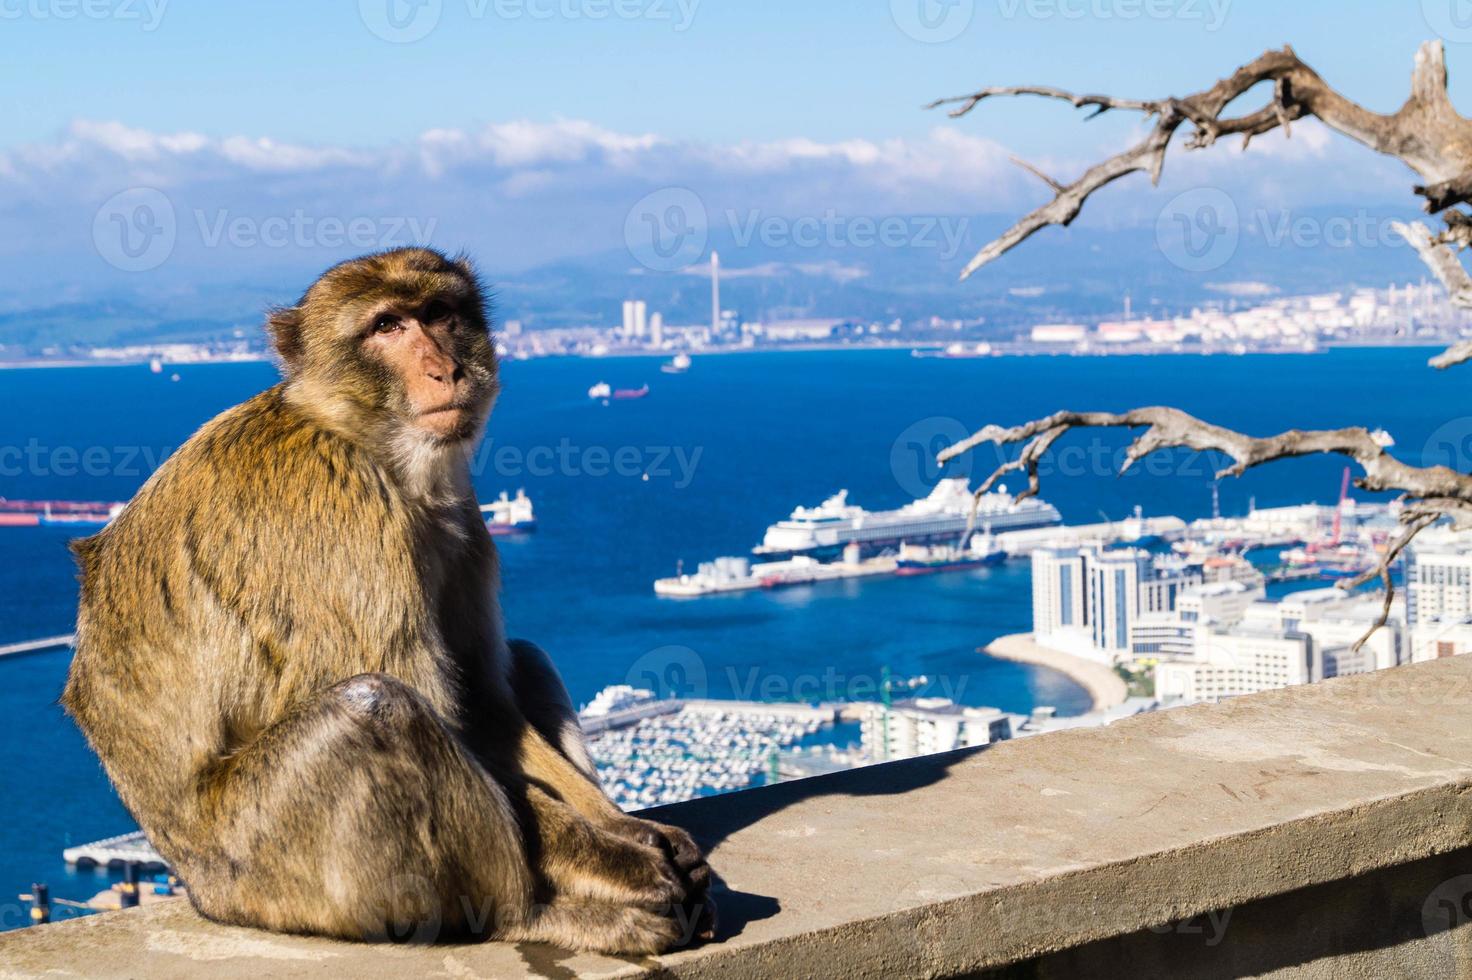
(713, 819)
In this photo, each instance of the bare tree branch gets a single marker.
(1382, 570)
(1431, 492)
(1426, 133)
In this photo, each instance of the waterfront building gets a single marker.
(1304, 638)
(1221, 602)
(924, 726)
(1335, 638)
(1085, 598)
(1434, 639)
(1251, 658)
(1439, 578)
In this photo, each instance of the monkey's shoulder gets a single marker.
(261, 476)
(267, 454)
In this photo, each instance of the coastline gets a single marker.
(1106, 688)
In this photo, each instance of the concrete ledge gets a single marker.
(1003, 858)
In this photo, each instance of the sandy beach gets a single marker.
(1105, 687)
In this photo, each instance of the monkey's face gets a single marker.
(416, 344)
(396, 343)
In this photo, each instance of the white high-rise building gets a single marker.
(1439, 595)
(656, 330)
(1059, 590)
(1439, 578)
(1084, 599)
(635, 326)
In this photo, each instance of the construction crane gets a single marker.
(1339, 508)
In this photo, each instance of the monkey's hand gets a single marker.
(680, 849)
(585, 862)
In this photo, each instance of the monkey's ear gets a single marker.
(463, 263)
(285, 326)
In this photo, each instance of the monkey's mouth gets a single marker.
(454, 420)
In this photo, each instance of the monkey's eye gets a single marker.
(386, 323)
(437, 311)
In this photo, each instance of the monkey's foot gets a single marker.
(602, 928)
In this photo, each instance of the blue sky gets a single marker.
(529, 130)
(740, 69)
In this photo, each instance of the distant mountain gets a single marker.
(793, 270)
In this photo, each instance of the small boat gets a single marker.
(156, 365)
(629, 393)
(679, 364)
(600, 392)
(510, 515)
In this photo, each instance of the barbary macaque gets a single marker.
(291, 662)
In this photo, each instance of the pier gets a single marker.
(36, 646)
(117, 852)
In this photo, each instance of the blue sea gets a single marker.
(697, 469)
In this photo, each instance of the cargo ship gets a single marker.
(510, 515)
(603, 392)
(929, 559)
(80, 514)
(942, 517)
(733, 574)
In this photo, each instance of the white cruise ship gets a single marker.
(943, 515)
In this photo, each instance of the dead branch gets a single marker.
(1431, 493)
(1426, 133)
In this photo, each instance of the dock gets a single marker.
(36, 646)
(1020, 544)
(117, 852)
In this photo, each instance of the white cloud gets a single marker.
(521, 193)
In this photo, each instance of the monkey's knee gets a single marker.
(379, 702)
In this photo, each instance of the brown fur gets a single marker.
(290, 657)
